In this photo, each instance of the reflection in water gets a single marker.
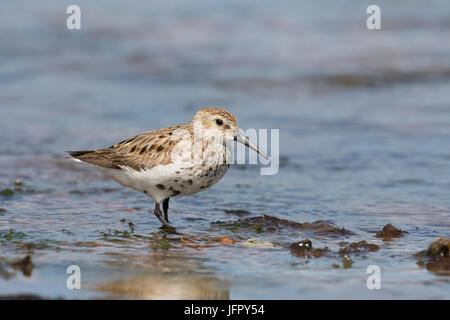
(164, 287)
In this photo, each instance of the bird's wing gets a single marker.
(140, 152)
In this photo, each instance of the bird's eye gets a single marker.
(219, 122)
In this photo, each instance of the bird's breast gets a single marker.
(200, 175)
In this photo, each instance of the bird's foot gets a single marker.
(161, 218)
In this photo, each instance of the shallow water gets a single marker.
(364, 119)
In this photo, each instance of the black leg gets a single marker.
(165, 208)
(159, 215)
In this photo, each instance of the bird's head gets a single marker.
(220, 123)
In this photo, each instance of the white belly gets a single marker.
(164, 181)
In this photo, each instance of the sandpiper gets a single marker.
(174, 161)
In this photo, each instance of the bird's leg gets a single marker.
(159, 215)
(165, 208)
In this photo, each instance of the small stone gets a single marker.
(439, 248)
(25, 265)
(347, 262)
(302, 245)
(304, 249)
(437, 257)
(361, 246)
(225, 240)
(389, 231)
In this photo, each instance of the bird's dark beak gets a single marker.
(240, 138)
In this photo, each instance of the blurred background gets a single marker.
(364, 119)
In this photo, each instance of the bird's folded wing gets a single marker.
(140, 152)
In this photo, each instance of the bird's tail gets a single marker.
(79, 153)
(99, 157)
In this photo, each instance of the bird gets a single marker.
(175, 161)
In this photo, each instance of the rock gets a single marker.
(268, 223)
(437, 257)
(304, 249)
(302, 245)
(347, 262)
(439, 248)
(389, 231)
(25, 265)
(7, 267)
(357, 247)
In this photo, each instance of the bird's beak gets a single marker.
(240, 138)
